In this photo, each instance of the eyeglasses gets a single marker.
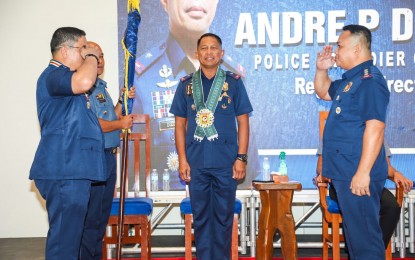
(75, 47)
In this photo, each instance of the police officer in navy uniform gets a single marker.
(70, 156)
(353, 154)
(102, 193)
(158, 71)
(211, 146)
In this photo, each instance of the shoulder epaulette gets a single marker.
(149, 58)
(187, 77)
(367, 74)
(233, 75)
(233, 66)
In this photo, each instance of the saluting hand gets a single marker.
(325, 59)
(89, 50)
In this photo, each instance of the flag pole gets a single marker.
(129, 44)
(124, 165)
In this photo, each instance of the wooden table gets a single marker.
(276, 214)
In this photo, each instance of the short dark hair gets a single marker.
(64, 35)
(360, 30)
(209, 35)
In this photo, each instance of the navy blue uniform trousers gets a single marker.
(67, 205)
(212, 196)
(361, 220)
(99, 209)
(389, 213)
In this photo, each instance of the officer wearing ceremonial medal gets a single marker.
(212, 145)
(353, 152)
(159, 70)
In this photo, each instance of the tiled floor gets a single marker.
(22, 248)
(33, 248)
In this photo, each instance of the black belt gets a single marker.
(111, 150)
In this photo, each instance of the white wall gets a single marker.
(26, 28)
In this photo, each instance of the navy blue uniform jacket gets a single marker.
(72, 142)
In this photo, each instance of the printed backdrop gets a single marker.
(275, 44)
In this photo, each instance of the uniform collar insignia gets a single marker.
(366, 74)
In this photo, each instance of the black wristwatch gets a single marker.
(242, 157)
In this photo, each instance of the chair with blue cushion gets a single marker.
(186, 210)
(331, 221)
(136, 210)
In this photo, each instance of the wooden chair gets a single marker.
(137, 210)
(332, 218)
(331, 221)
(186, 210)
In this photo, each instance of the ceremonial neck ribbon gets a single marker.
(205, 111)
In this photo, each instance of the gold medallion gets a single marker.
(204, 118)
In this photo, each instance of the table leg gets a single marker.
(266, 229)
(285, 223)
(276, 214)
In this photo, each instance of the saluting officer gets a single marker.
(158, 71)
(212, 149)
(353, 154)
(70, 155)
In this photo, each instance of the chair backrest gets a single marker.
(323, 185)
(323, 118)
(141, 124)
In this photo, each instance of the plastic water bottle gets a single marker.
(154, 180)
(265, 169)
(283, 165)
(166, 180)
